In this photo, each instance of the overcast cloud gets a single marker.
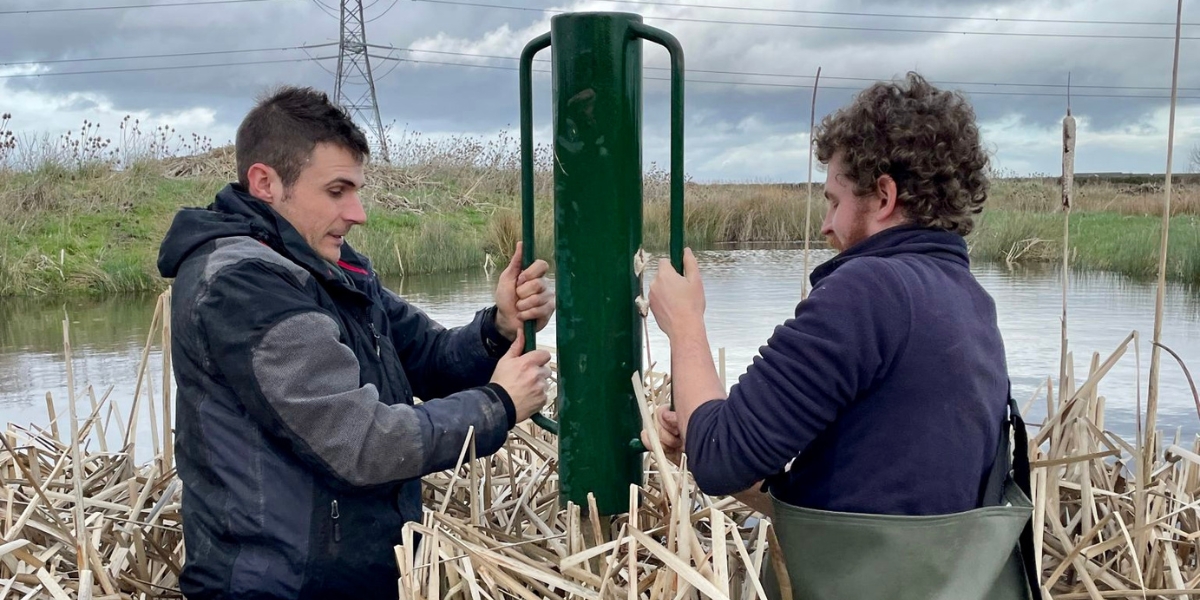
(734, 132)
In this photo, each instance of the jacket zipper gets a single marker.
(337, 527)
(375, 334)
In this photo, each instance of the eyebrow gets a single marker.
(342, 181)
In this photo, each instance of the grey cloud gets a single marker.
(724, 120)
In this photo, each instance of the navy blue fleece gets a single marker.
(887, 388)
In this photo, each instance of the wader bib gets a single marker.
(980, 554)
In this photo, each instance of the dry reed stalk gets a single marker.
(1065, 359)
(53, 417)
(1068, 193)
(1155, 353)
(812, 124)
(168, 432)
(81, 540)
(130, 442)
(1149, 450)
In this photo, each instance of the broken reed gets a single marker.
(494, 528)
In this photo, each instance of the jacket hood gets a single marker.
(906, 239)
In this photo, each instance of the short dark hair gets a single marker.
(286, 124)
(924, 138)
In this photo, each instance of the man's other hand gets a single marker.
(524, 376)
(666, 422)
(523, 296)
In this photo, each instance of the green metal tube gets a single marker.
(597, 74)
(598, 223)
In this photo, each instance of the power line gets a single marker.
(163, 68)
(651, 3)
(506, 68)
(124, 7)
(316, 61)
(792, 76)
(395, 65)
(837, 27)
(172, 55)
(328, 10)
(706, 71)
(385, 11)
(792, 85)
(892, 15)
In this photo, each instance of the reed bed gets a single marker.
(84, 522)
(1114, 519)
(128, 544)
(496, 529)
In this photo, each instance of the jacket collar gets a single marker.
(904, 239)
(272, 229)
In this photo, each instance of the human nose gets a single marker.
(355, 213)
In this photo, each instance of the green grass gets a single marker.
(96, 232)
(87, 228)
(1106, 241)
(411, 245)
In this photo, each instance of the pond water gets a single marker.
(749, 292)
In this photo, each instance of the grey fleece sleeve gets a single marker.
(282, 355)
(311, 380)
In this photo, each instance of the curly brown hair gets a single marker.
(926, 139)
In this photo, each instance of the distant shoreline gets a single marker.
(92, 230)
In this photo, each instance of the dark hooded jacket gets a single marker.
(884, 395)
(299, 443)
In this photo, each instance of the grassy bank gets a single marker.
(87, 228)
(69, 230)
(91, 229)
(1126, 244)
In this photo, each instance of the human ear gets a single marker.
(887, 197)
(264, 183)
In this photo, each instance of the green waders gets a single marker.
(981, 554)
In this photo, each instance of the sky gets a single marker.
(735, 131)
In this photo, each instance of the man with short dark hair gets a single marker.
(885, 401)
(299, 443)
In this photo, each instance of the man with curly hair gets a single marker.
(887, 394)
